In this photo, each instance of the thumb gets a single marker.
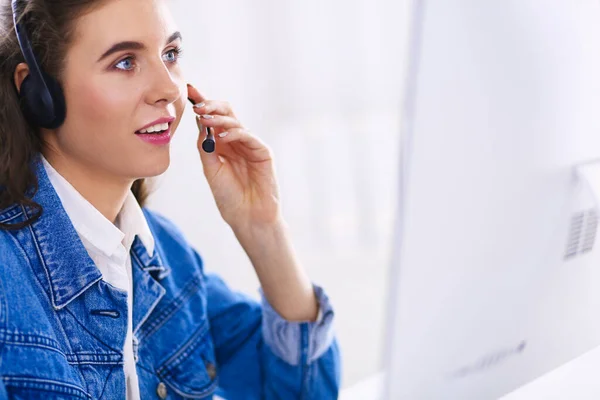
(210, 161)
(194, 94)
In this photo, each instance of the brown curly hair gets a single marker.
(51, 25)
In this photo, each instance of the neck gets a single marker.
(103, 191)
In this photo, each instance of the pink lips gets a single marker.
(157, 138)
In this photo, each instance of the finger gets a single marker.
(252, 147)
(210, 161)
(214, 107)
(220, 121)
(194, 94)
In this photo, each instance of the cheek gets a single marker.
(100, 102)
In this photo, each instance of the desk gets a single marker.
(578, 379)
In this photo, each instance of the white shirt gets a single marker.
(109, 247)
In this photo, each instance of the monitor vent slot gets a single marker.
(582, 233)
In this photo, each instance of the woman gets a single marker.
(101, 298)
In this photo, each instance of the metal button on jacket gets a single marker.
(161, 390)
(211, 370)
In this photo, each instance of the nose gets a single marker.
(164, 88)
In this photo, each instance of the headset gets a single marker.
(41, 96)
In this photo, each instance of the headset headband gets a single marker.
(34, 69)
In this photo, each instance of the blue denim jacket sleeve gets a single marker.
(3, 394)
(283, 336)
(262, 356)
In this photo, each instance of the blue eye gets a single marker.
(125, 64)
(173, 55)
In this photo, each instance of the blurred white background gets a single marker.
(321, 83)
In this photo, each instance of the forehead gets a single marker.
(146, 21)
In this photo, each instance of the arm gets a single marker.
(284, 351)
(259, 354)
(262, 356)
(284, 282)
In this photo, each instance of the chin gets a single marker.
(152, 167)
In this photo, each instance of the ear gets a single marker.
(21, 73)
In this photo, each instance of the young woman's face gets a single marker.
(114, 91)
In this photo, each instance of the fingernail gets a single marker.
(206, 116)
(223, 134)
(199, 105)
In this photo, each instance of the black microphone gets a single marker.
(208, 145)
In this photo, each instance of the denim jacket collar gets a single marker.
(68, 268)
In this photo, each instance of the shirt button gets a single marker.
(211, 370)
(161, 390)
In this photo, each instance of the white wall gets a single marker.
(321, 83)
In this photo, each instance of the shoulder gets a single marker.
(10, 252)
(162, 226)
(15, 272)
(171, 239)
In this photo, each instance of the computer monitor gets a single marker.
(496, 271)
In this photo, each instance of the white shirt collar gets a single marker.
(95, 227)
(133, 222)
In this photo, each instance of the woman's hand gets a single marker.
(241, 175)
(240, 172)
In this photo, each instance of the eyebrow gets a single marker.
(132, 45)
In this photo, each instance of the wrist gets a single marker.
(244, 230)
(286, 285)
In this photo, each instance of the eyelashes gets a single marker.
(178, 52)
(127, 64)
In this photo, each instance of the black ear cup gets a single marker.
(58, 98)
(41, 107)
(42, 99)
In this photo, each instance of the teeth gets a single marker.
(155, 128)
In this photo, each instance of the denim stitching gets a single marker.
(94, 359)
(28, 338)
(10, 213)
(106, 383)
(92, 283)
(42, 261)
(304, 343)
(36, 345)
(41, 286)
(160, 319)
(23, 339)
(184, 351)
(153, 305)
(209, 389)
(87, 330)
(4, 221)
(45, 384)
(180, 355)
(5, 311)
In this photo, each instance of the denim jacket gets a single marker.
(62, 327)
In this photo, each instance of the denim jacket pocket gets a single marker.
(35, 367)
(191, 371)
(41, 389)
